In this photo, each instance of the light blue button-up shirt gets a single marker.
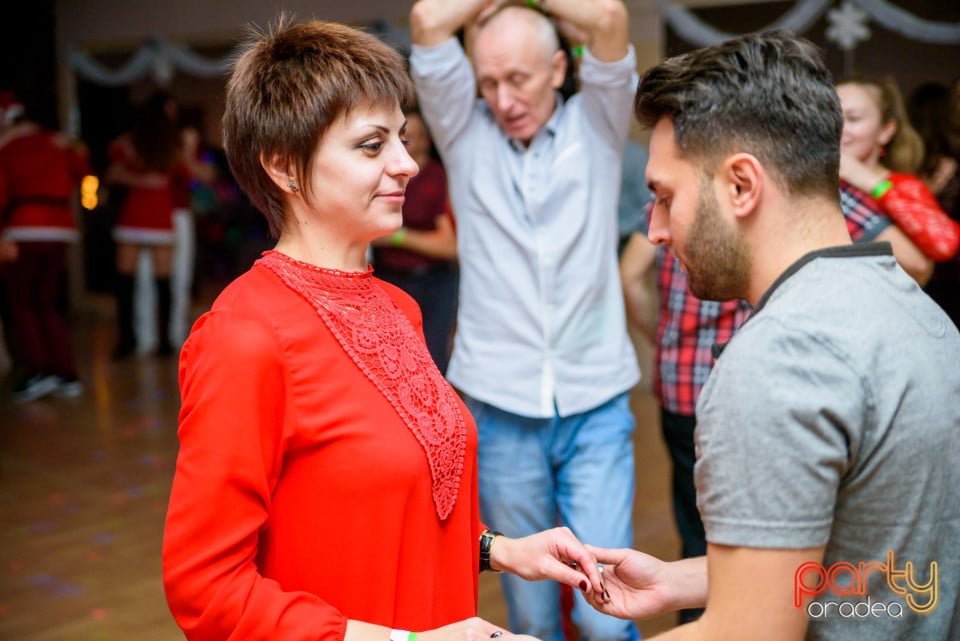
(541, 324)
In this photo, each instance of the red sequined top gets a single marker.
(326, 471)
(914, 209)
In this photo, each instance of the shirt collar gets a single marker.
(855, 250)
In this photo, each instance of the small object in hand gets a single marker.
(497, 634)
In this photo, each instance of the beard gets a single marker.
(716, 259)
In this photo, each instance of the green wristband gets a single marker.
(396, 240)
(881, 188)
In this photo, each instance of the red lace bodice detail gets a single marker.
(379, 338)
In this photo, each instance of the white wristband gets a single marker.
(402, 635)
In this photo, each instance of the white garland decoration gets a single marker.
(797, 19)
(138, 65)
(158, 57)
(909, 25)
(805, 13)
(162, 58)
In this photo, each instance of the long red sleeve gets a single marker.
(914, 209)
(300, 499)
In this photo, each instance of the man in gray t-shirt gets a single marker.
(828, 438)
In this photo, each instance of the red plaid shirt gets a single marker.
(688, 327)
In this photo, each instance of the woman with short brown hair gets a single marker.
(326, 486)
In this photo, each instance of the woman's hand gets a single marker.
(860, 175)
(552, 554)
(473, 629)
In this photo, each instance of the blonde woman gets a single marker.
(880, 154)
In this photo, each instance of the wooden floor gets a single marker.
(83, 490)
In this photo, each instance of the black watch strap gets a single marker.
(486, 544)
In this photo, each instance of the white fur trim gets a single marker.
(142, 236)
(41, 234)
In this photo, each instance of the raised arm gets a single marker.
(433, 22)
(909, 204)
(603, 23)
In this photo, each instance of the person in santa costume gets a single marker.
(39, 171)
(145, 162)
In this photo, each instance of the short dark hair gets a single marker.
(288, 86)
(767, 94)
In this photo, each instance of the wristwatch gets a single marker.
(486, 544)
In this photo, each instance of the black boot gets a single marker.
(126, 342)
(164, 347)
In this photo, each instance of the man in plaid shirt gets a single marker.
(685, 332)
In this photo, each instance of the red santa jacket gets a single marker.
(39, 170)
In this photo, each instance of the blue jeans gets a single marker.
(575, 470)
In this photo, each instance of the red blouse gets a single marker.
(323, 473)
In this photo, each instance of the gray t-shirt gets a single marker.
(833, 418)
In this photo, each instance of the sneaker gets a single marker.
(67, 387)
(34, 388)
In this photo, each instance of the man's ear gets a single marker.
(743, 177)
(280, 172)
(558, 69)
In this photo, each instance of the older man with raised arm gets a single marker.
(541, 351)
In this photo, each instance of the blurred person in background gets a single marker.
(881, 155)
(935, 113)
(39, 173)
(143, 163)
(420, 257)
(195, 171)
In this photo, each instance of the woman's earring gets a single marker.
(292, 186)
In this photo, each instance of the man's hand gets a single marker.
(640, 586)
(637, 584)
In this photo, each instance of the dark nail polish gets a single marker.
(583, 586)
